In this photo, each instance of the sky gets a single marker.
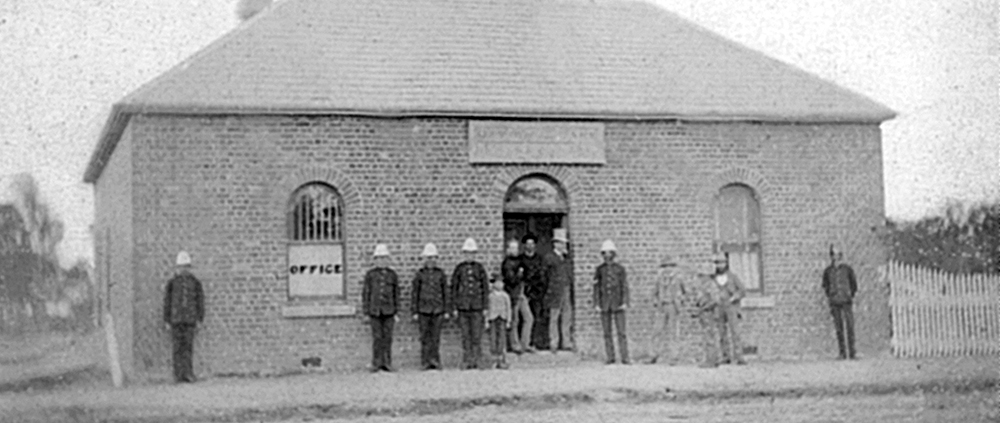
(64, 62)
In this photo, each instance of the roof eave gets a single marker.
(122, 112)
(110, 134)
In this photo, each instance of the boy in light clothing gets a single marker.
(498, 321)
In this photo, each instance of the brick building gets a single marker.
(284, 151)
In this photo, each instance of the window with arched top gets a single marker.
(737, 233)
(535, 194)
(315, 218)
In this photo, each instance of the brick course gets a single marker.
(218, 187)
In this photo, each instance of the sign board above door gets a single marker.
(536, 142)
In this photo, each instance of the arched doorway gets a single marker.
(536, 204)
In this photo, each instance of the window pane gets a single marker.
(746, 266)
(314, 214)
(738, 232)
(535, 193)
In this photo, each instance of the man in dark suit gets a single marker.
(183, 309)
(840, 285)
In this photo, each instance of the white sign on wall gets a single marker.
(315, 270)
(536, 142)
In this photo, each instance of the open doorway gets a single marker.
(536, 204)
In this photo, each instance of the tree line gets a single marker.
(961, 239)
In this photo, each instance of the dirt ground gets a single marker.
(52, 360)
(63, 377)
(977, 406)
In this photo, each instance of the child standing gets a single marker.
(498, 321)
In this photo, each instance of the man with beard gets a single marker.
(533, 279)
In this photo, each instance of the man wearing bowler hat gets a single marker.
(183, 309)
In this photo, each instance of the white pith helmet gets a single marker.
(430, 250)
(470, 245)
(183, 258)
(608, 245)
(381, 250)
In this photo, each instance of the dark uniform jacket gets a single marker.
(184, 301)
(380, 295)
(839, 284)
(611, 287)
(533, 276)
(429, 292)
(470, 287)
(558, 276)
(511, 273)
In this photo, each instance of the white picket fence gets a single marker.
(940, 314)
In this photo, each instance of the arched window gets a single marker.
(737, 233)
(535, 194)
(315, 214)
(316, 242)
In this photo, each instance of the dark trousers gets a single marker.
(609, 345)
(471, 324)
(183, 334)
(843, 318)
(540, 329)
(498, 338)
(382, 341)
(430, 340)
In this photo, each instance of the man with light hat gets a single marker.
(559, 281)
(470, 285)
(611, 298)
(379, 303)
(671, 280)
(732, 291)
(183, 309)
(430, 301)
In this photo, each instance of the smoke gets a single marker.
(246, 9)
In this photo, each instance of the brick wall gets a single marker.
(218, 187)
(113, 244)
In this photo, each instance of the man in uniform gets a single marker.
(429, 301)
(512, 274)
(559, 281)
(670, 280)
(470, 293)
(611, 298)
(533, 280)
(183, 309)
(732, 291)
(379, 303)
(840, 286)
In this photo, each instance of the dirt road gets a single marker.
(977, 406)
